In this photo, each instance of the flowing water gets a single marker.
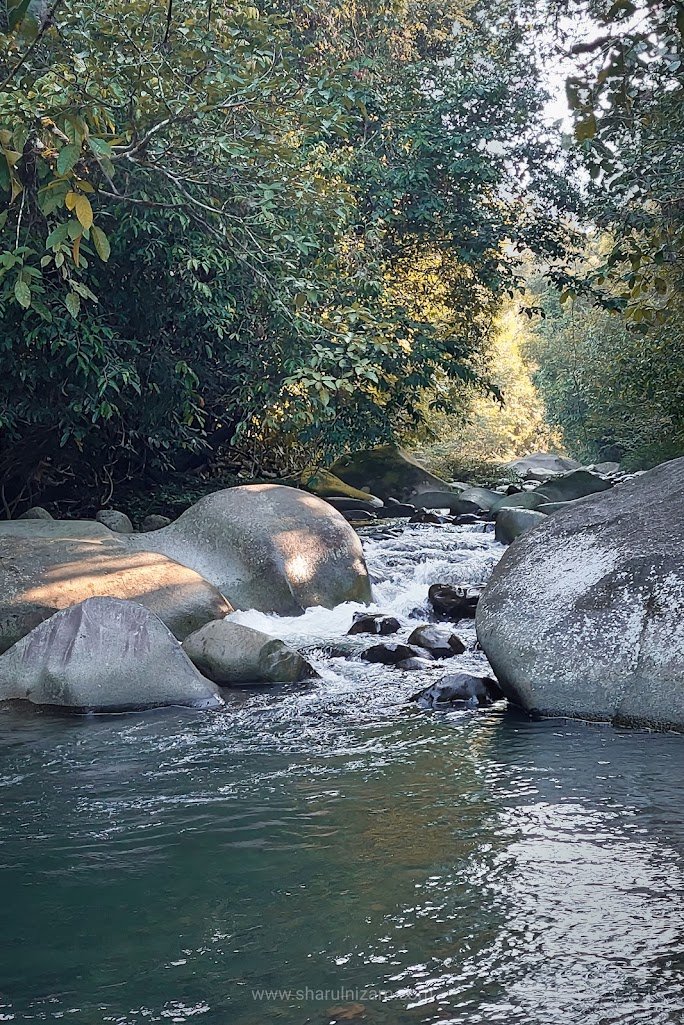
(332, 854)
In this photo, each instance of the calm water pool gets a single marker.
(366, 861)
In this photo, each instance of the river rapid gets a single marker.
(331, 853)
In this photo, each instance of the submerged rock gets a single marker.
(459, 689)
(49, 566)
(267, 547)
(367, 623)
(583, 615)
(440, 641)
(103, 655)
(459, 602)
(231, 653)
(389, 472)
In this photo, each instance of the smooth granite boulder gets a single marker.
(103, 655)
(36, 512)
(510, 523)
(583, 616)
(46, 566)
(455, 503)
(231, 653)
(522, 500)
(115, 520)
(571, 486)
(267, 547)
(389, 472)
(325, 484)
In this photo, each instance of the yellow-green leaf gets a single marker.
(586, 129)
(101, 243)
(73, 304)
(84, 211)
(22, 293)
(71, 200)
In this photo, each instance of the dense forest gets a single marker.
(257, 236)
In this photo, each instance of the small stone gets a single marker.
(115, 520)
(415, 663)
(459, 602)
(460, 688)
(155, 522)
(440, 642)
(36, 512)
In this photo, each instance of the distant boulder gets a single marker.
(577, 484)
(103, 655)
(389, 472)
(543, 461)
(115, 520)
(326, 485)
(36, 512)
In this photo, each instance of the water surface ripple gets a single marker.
(370, 862)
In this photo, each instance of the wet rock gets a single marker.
(482, 498)
(523, 500)
(232, 654)
(267, 547)
(440, 641)
(389, 472)
(359, 518)
(510, 523)
(459, 689)
(393, 507)
(425, 516)
(36, 512)
(455, 602)
(115, 520)
(467, 518)
(106, 655)
(367, 623)
(155, 522)
(439, 500)
(345, 505)
(391, 654)
(412, 664)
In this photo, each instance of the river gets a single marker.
(332, 854)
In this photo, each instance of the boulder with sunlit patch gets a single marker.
(267, 547)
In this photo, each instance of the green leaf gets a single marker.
(101, 243)
(99, 147)
(73, 304)
(22, 293)
(16, 11)
(67, 158)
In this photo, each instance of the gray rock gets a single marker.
(543, 461)
(115, 520)
(430, 516)
(155, 522)
(441, 500)
(267, 547)
(483, 498)
(389, 472)
(578, 484)
(583, 616)
(231, 653)
(459, 689)
(49, 566)
(440, 641)
(344, 505)
(608, 468)
(103, 655)
(412, 664)
(510, 523)
(523, 500)
(36, 512)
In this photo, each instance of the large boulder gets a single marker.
(103, 655)
(46, 566)
(521, 500)
(231, 653)
(267, 547)
(583, 615)
(389, 472)
(546, 462)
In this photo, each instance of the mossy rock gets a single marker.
(389, 472)
(325, 484)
